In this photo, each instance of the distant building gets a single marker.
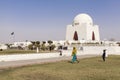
(82, 28)
(3, 46)
(21, 44)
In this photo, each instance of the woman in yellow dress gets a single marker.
(74, 52)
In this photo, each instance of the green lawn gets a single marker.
(86, 69)
(15, 51)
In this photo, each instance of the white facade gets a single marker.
(82, 29)
(22, 44)
(3, 46)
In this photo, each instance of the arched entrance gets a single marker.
(93, 36)
(75, 37)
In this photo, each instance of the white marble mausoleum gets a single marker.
(82, 28)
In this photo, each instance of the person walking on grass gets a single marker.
(104, 54)
(74, 52)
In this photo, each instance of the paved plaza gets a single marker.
(19, 63)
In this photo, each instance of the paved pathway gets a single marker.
(20, 63)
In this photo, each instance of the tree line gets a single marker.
(42, 45)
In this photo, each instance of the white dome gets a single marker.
(83, 19)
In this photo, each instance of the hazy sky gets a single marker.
(47, 19)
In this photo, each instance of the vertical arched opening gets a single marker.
(93, 36)
(75, 37)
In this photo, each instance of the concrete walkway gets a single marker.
(19, 63)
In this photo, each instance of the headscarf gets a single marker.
(74, 51)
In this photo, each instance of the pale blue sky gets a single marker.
(47, 19)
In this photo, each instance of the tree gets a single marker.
(118, 43)
(8, 45)
(30, 46)
(37, 44)
(50, 42)
(33, 42)
(43, 47)
(53, 47)
(44, 42)
(33, 45)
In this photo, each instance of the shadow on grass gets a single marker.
(73, 62)
(69, 61)
(100, 61)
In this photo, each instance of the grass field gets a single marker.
(86, 69)
(14, 51)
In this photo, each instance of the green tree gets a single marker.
(43, 47)
(53, 47)
(8, 45)
(37, 44)
(33, 45)
(50, 42)
(44, 42)
(33, 42)
(30, 46)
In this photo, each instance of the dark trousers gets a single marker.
(103, 56)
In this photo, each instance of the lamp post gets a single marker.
(12, 37)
